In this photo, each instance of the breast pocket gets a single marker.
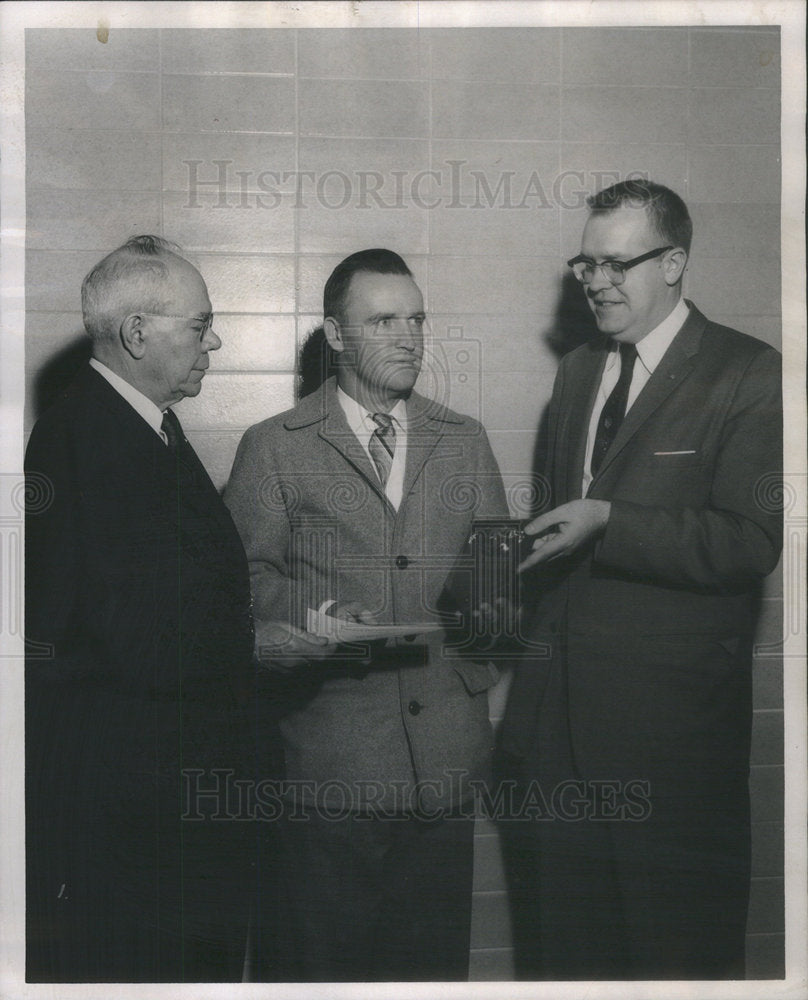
(670, 473)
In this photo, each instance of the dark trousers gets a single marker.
(379, 899)
(649, 882)
(600, 900)
(93, 917)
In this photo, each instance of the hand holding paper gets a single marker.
(360, 629)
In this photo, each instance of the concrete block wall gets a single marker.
(271, 154)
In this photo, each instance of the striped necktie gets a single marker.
(382, 444)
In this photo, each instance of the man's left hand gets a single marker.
(500, 617)
(564, 530)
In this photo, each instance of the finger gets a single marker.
(542, 523)
(299, 638)
(348, 612)
(536, 554)
(539, 554)
(483, 610)
(553, 548)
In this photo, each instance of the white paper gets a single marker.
(339, 630)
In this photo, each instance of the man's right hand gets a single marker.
(282, 648)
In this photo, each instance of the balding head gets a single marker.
(134, 278)
(147, 311)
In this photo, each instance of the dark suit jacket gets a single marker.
(137, 582)
(316, 525)
(656, 618)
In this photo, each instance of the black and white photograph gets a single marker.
(403, 499)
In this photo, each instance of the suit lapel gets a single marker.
(181, 468)
(423, 434)
(675, 366)
(323, 407)
(573, 444)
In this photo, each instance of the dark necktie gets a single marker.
(172, 430)
(382, 444)
(614, 409)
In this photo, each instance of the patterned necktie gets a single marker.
(382, 444)
(614, 409)
(172, 430)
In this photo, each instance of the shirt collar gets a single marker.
(150, 412)
(359, 418)
(653, 345)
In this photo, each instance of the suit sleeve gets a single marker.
(493, 503)
(258, 505)
(52, 575)
(737, 538)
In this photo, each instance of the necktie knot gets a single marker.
(384, 424)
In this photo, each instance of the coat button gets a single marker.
(414, 708)
(402, 562)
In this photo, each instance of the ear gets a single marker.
(333, 335)
(674, 264)
(132, 336)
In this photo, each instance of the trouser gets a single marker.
(598, 899)
(377, 898)
(629, 874)
(92, 923)
(143, 904)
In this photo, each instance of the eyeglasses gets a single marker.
(613, 271)
(205, 322)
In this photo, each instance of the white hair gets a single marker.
(130, 279)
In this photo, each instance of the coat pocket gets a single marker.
(477, 677)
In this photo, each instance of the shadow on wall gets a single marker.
(58, 372)
(315, 363)
(574, 323)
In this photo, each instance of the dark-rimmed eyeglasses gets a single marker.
(613, 271)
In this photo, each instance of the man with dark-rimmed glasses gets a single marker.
(662, 436)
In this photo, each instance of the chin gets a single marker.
(403, 382)
(190, 389)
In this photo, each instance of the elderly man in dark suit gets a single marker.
(662, 437)
(364, 495)
(138, 589)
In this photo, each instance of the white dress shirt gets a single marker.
(362, 424)
(649, 353)
(144, 407)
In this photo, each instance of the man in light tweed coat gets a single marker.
(364, 495)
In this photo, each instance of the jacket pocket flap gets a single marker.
(477, 677)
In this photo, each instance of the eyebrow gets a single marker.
(377, 317)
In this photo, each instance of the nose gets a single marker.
(212, 340)
(408, 334)
(599, 281)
